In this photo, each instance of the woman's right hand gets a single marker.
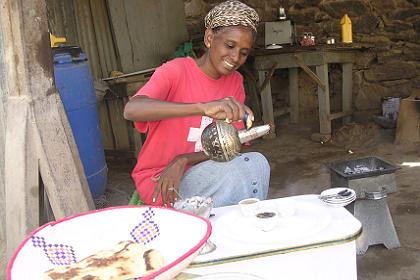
(227, 108)
(167, 183)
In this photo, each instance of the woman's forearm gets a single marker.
(191, 158)
(142, 108)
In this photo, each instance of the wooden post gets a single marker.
(294, 95)
(324, 100)
(2, 194)
(266, 102)
(21, 173)
(37, 135)
(347, 91)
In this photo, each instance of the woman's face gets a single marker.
(228, 49)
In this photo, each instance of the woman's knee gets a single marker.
(246, 175)
(257, 172)
(259, 161)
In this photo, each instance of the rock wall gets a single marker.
(391, 28)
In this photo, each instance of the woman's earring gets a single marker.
(208, 45)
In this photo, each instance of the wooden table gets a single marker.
(317, 242)
(292, 59)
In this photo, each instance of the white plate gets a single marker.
(273, 47)
(307, 220)
(337, 201)
(333, 200)
(339, 204)
(229, 276)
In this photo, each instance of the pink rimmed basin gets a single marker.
(177, 235)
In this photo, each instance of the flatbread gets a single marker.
(126, 260)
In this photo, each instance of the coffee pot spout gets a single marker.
(247, 135)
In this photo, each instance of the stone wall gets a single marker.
(390, 28)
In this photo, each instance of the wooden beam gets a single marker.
(310, 57)
(3, 95)
(338, 115)
(38, 135)
(267, 78)
(266, 99)
(21, 173)
(60, 165)
(308, 71)
(2, 184)
(138, 74)
(128, 80)
(266, 102)
(251, 89)
(286, 60)
(324, 101)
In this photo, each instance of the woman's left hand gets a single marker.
(167, 183)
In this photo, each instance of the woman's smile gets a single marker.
(229, 65)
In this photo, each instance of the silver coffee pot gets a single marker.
(222, 142)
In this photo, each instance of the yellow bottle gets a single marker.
(346, 32)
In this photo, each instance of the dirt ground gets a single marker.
(298, 167)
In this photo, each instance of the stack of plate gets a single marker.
(338, 196)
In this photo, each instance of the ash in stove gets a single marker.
(360, 169)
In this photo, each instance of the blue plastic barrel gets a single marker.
(75, 84)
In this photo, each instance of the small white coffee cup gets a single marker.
(249, 206)
(266, 219)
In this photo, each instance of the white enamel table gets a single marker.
(318, 242)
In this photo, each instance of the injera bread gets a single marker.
(125, 261)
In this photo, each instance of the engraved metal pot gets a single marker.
(222, 142)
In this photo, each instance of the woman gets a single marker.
(185, 95)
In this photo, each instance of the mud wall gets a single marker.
(390, 28)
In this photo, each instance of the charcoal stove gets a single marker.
(372, 179)
(367, 174)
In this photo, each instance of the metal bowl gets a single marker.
(200, 206)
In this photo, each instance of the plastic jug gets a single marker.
(346, 30)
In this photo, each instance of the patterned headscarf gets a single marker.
(230, 13)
